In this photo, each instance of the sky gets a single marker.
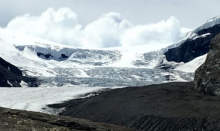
(102, 23)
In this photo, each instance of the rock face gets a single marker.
(10, 67)
(15, 120)
(11, 76)
(193, 48)
(207, 77)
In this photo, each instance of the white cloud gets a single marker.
(106, 31)
(168, 31)
(110, 30)
(59, 26)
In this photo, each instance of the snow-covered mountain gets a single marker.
(188, 53)
(79, 71)
(59, 65)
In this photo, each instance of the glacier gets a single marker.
(56, 65)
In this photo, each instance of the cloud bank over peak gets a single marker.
(166, 31)
(109, 30)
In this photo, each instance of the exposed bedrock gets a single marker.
(207, 77)
(193, 48)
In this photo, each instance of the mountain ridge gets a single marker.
(12, 76)
(17, 120)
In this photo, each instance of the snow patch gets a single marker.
(24, 84)
(210, 23)
(9, 83)
(192, 65)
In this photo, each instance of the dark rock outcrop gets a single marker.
(193, 48)
(15, 120)
(10, 67)
(46, 56)
(49, 56)
(64, 56)
(207, 77)
(11, 76)
(164, 107)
